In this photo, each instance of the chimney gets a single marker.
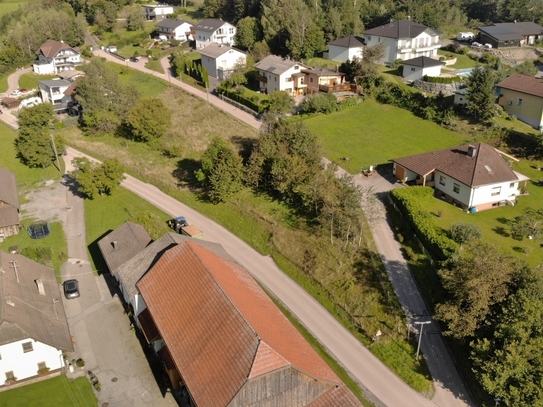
(41, 288)
(472, 151)
(8, 300)
(114, 244)
(408, 18)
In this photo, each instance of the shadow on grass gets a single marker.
(96, 254)
(503, 221)
(500, 230)
(185, 173)
(244, 145)
(519, 249)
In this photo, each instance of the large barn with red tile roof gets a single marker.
(469, 176)
(225, 340)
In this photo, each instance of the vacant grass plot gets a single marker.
(148, 85)
(30, 80)
(55, 392)
(372, 133)
(7, 6)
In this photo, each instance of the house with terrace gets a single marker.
(9, 205)
(211, 31)
(474, 177)
(33, 326)
(522, 96)
(404, 39)
(54, 57)
(174, 29)
(515, 34)
(278, 73)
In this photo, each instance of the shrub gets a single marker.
(345, 103)
(319, 103)
(440, 79)
(44, 370)
(80, 362)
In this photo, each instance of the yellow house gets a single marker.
(522, 96)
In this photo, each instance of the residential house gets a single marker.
(60, 93)
(174, 29)
(157, 11)
(419, 67)
(522, 96)
(277, 73)
(122, 244)
(474, 177)
(344, 49)
(55, 57)
(210, 31)
(515, 34)
(9, 205)
(220, 60)
(33, 326)
(223, 339)
(404, 39)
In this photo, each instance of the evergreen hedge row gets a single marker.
(232, 94)
(439, 79)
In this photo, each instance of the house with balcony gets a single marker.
(346, 48)
(34, 330)
(9, 205)
(60, 93)
(221, 60)
(157, 11)
(54, 57)
(327, 81)
(474, 177)
(404, 39)
(516, 34)
(278, 73)
(522, 96)
(174, 29)
(210, 31)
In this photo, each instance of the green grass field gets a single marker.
(7, 6)
(55, 392)
(148, 85)
(30, 80)
(371, 133)
(462, 61)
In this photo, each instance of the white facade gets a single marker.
(222, 65)
(178, 33)
(222, 35)
(158, 12)
(20, 362)
(412, 73)
(343, 54)
(65, 60)
(405, 48)
(53, 92)
(281, 82)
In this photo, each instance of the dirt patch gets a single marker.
(46, 203)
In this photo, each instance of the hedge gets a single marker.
(411, 201)
(440, 79)
(243, 100)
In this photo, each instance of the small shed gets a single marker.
(10, 103)
(417, 68)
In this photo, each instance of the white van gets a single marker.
(465, 36)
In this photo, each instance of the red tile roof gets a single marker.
(485, 167)
(221, 328)
(51, 48)
(524, 84)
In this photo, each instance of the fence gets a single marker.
(239, 105)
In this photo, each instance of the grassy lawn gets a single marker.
(121, 205)
(58, 391)
(148, 85)
(322, 63)
(371, 133)
(154, 64)
(7, 6)
(30, 80)
(462, 61)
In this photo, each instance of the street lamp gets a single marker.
(421, 323)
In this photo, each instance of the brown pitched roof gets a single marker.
(336, 396)
(401, 29)
(123, 243)
(220, 327)
(523, 83)
(24, 312)
(50, 48)
(8, 188)
(485, 167)
(351, 41)
(9, 215)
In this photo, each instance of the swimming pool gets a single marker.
(464, 73)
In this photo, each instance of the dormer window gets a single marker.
(296, 67)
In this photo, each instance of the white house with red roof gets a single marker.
(54, 57)
(522, 96)
(469, 176)
(404, 39)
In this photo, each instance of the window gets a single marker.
(413, 69)
(510, 103)
(10, 375)
(27, 347)
(42, 365)
(442, 180)
(456, 188)
(378, 39)
(311, 79)
(519, 102)
(512, 185)
(368, 37)
(496, 191)
(231, 30)
(296, 67)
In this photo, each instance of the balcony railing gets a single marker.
(262, 79)
(405, 48)
(344, 87)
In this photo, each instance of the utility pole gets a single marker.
(421, 323)
(56, 154)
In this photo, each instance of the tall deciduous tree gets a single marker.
(247, 33)
(529, 224)
(97, 179)
(481, 93)
(34, 144)
(221, 170)
(148, 120)
(365, 68)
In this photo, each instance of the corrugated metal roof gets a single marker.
(524, 84)
(512, 31)
(24, 312)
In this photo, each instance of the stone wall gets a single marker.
(430, 87)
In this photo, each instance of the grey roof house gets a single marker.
(344, 49)
(9, 205)
(515, 34)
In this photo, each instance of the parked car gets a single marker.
(487, 45)
(476, 44)
(71, 289)
(23, 91)
(16, 92)
(134, 59)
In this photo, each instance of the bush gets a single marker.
(345, 103)
(258, 107)
(319, 103)
(42, 255)
(440, 79)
